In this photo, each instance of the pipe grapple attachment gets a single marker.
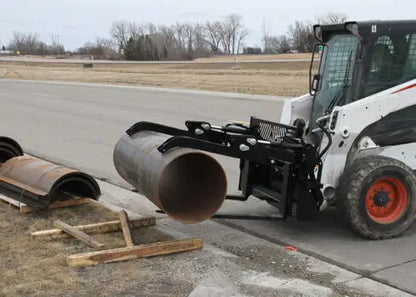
(170, 167)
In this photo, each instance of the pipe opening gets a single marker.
(6, 154)
(9, 149)
(192, 188)
(75, 186)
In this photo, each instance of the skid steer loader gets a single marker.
(349, 143)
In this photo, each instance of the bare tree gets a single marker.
(201, 46)
(167, 34)
(32, 41)
(301, 36)
(179, 41)
(28, 43)
(225, 36)
(101, 48)
(279, 44)
(213, 33)
(332, 18)
(233, 33)
(179, 33)
(240, 40)
(189, 41)
(151, 28)
(120, 33)
(266, 38)
(105, 43)
(56, 47)
(17, 41)
(283, 45)
(136, 30)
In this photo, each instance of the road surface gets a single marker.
(79, 124)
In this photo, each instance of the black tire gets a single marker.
(355, 184)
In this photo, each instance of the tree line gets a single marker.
(300, 36)
(181, 41)
(30, 44)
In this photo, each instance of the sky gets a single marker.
(79, 21)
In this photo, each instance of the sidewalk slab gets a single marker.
(402, 276)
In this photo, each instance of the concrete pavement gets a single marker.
(79, 124)
(235, 263)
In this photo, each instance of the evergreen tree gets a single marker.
(129, 51)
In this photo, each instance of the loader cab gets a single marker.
(359, 59)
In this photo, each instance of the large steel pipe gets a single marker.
(188, 185)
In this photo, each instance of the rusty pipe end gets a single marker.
(192, 188)
(9, 149)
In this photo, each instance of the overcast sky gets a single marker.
(78, 21)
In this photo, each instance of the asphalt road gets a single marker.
(79, 124)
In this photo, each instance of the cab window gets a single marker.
(393, 62)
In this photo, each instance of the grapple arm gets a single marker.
(272, 155)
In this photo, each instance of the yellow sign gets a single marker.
(18, 52)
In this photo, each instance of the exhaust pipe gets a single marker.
(188, 185)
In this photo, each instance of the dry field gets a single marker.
(256, 57)
(266, 78)
(35, 267)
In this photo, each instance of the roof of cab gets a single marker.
(365, 29)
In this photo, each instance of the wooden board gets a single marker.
(140, 251)
(23, 208)
(80, 235)
(105, 227)
(124, 221)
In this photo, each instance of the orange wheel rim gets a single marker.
(386, 200)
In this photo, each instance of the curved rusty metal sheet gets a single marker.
(39, 182)
(9, 148)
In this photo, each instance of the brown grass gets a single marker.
(256, 57)
(266, 78)
(33, 267)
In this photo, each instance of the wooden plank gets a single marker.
(84, 237)
(105, 227)
(23, 208)
(124, 221)
(10, 201)
(59, 204)
(68, 203)
(140, 251)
